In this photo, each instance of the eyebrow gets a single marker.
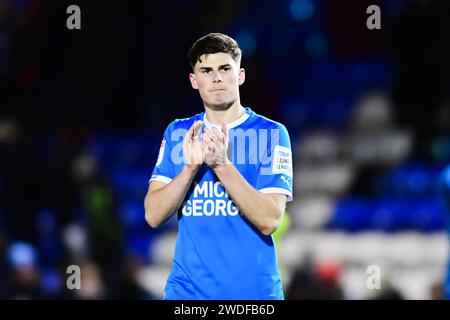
(220, 67)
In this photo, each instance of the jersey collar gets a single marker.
(230, 125)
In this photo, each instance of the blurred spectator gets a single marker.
(23, 271)
(388, 293)
(128, 285)
(92, 283)
(437, 291)
(24, 175)
(316, 282)
(104, 233)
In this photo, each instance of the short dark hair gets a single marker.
(214, 43)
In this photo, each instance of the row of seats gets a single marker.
(388, 214)
(117, 151)
(410, 180)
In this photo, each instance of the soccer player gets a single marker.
(227, 172)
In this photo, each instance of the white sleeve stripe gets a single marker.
(278, 190)
(160, 179)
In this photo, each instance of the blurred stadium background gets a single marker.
(82, 115)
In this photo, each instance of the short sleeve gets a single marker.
(164, 170)
(275, 173)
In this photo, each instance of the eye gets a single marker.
(226, 68)
(206, 71)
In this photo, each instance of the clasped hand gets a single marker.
(212, 149)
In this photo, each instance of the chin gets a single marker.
(220, 106)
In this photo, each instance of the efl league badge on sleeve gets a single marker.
(161, 152)
(282, 161)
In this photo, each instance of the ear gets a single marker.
(241, 76)
(193, 81)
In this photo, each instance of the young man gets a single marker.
(228, 173)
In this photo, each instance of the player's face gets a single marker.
(217, 79)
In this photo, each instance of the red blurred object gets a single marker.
(328, 270)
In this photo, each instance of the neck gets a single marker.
(218, 116)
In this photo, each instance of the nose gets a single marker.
(217, 77)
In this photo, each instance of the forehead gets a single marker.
(212, 60)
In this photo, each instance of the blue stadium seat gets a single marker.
(428, 215)
(133, 150)
(352, 214)
(411, 180)
(391, 214)
(309, 112)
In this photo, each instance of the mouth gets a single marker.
(217, 90)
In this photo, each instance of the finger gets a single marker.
(197, 124)
(205, 146)
(187, 139)
(191, 134)
(211, 150)
(225, 130)
(215, 134)
(211, 135)
(197, 128)
(207, 137)
(218, 136)
(218, 132)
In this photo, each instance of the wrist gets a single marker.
(221, 167)
(191, 169)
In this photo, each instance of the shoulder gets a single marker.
(262, 122)
(184, 123)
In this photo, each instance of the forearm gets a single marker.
(260, 209)
(160, 204)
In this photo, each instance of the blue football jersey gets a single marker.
(219, 254)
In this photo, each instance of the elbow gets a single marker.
(272, 221)
(270, 227)
(150, 219)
